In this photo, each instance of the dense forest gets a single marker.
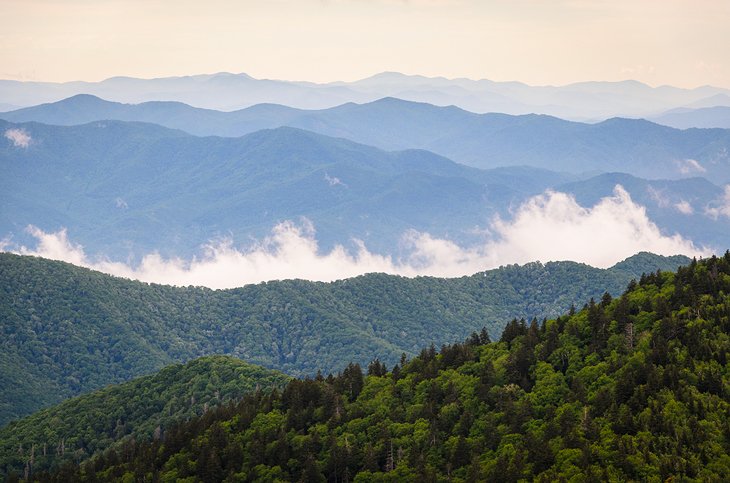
(66, 330)
(635, 387)
(87, 424)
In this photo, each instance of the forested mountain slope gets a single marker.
(84, 425)
(635, 388)
(66, 330)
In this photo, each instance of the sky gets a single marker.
(676, 42)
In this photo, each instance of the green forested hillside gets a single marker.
(79, 427)
(635, 388)
(65, 330)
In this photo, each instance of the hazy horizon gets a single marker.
(358, 79)
(674, 43)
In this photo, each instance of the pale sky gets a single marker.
(678, 42)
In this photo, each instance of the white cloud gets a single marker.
(333, 180)
(690, 166)
(684, 207)
(289, 252)
(57, 247)
(663, 201)
(721, 207)
(554, 227)
(658, 196)
(548, 227)
(19, 137)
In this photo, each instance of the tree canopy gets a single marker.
(631, 387)
(66, 330)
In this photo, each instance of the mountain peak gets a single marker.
(84, 101)
(628, 122)
(82, 97)
(390, 76)
(644, 259)
(78, 103)
(396, 101)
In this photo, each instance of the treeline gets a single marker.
(629, 388)
(65, 330)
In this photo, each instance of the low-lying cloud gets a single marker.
(690, 166)
(684, 207)
(720, 207)
(658, 196)
(333, 180)
(549, 227)
(663, 201)
(19, 137)
(554, 226)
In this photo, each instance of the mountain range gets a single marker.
(126, 189)
(134, 188)
(67, 330)
(624, 388)
(637, 147)
(703, 117)
(226, 91)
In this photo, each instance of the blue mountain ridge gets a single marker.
(633, 146)
(129, 188)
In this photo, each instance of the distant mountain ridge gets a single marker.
(128, 175)
(637, 147)
(66, 330)
(160, 189)
(226, 91)
(704, 117)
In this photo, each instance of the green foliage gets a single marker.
(137, 410)
(65, 330)
(631, 389)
